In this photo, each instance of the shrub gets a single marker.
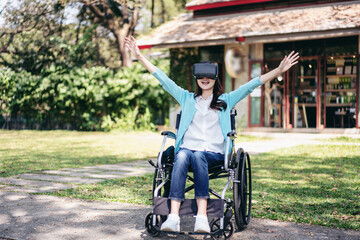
(83, 99)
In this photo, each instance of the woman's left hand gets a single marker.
(288, 61)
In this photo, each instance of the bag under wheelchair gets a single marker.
(236, 169)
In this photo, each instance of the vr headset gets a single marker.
(205, 69)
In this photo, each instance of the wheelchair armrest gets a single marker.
(230, 138)
(169, 134)
(232, 134)
(166, 134)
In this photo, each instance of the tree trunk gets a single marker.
(124, 53)
(97, 47)
(125, 57)
(163, 11)
(121, 26)
(152, 13)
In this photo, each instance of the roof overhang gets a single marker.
(303, 36)
(260, 39)
(267, 26)
(200, 43)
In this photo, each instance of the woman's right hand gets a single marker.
(131, 44)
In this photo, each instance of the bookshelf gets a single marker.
(305, 91)
(340, 85)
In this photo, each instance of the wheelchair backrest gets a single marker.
(233, 113)
(178, 118)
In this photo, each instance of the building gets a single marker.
(250, 37)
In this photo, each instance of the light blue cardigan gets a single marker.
(187, 102)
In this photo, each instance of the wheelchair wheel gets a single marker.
(242, 190)
(153, 231)
(247, 190)
(228, 229)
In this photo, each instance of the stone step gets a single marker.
(120, 167)
(25, 189)
(57, 178)
(19, 189)
(34, 183)
(135, 169)
(104, 175)
(144, 164)
(52, 180)
(128, 174)
(82, 170)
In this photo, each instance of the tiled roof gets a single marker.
(185, 28)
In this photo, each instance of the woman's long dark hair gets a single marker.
(216, 103)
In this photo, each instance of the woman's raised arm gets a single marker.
(131, 44)
(244, 90)
(285, 65)
(169, 85)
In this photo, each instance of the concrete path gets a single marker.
(24, 216)
(27, 216)
(285, 140)
(48, 181)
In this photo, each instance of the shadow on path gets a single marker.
(24, 216)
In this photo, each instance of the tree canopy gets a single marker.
(76, 74)
(35, 33)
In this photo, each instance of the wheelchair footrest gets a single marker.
(215, 207)
(217, 232)
(175, 233)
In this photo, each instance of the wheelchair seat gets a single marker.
(216, 168)
(168, 156)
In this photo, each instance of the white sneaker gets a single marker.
(172, 224)
(201, 224)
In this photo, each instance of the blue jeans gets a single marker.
(199, 162)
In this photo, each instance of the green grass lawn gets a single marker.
(248, 138)
(29, 151)
(316, 184)
(342, 139)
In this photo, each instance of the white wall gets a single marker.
(252, 52)
(242, 106)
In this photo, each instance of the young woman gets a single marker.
(200, 142)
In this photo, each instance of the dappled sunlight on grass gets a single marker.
(27, 151)
(131, 190)
(341, 139)
(317, 184)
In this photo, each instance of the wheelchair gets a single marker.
(236, 169)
